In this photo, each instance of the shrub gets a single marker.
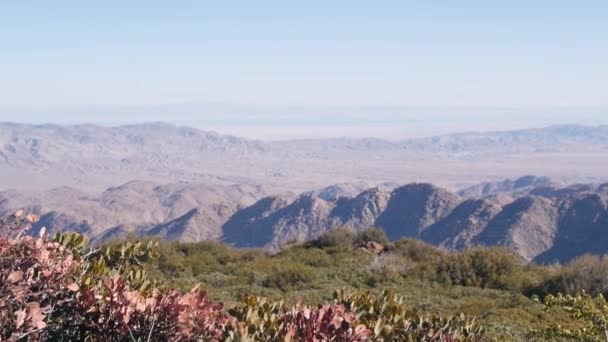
(35, 276)
(254, 255)
(291, 276)
(314, 257)
(494, 267)
(591, 312)
(588, 273)
(352, 317)
(372, 235)
(339, 236)
(274, 321)
(390, 320)
(53, 290)
(417, 251)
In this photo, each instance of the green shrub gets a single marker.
(588, 273)
(483, 267)
(417, 251)
(358, 316)
(372, 234)
(290, 276)
(590, 312)
(335, 237)
(390, 320)
(254, 255)
(315, 258)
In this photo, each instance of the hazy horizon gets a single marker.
(278, 122)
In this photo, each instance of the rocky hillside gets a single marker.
(137, 207)
(538, 221)
(521, 185)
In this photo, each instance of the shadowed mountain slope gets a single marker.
(413, 208)
(462, 225)
(539, 224)
(526, 226)
(583, 228)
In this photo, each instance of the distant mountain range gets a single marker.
(538, 218)
(92, 158)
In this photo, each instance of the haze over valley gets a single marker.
(93, 158)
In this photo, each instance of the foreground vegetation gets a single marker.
(56, 289)
(492, 284)
(340, 287)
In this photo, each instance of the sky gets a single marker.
(275, 69)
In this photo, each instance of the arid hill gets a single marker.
(539, 223)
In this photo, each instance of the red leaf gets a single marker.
(36, 315)
(19, 318)
(73, 287)
(15, 276)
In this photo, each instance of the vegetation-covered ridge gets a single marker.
(59, 289)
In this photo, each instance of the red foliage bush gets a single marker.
(42, 299)
(35, 278)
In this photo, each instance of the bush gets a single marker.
(352, 317)
(496, 268)
(417, 251)
(372, 235)
(53, 290)
(588, 273)
(291, 276)
(339, 236)
(592, 313)
(35, 275)
(310, 257)
(274, 321)
(393, 321)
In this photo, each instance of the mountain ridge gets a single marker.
(544, 226)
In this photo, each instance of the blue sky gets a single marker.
(68, 60)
